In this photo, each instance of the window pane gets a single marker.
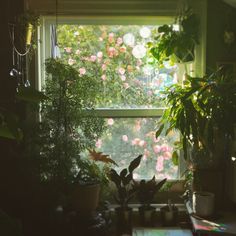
(117, 55)
(126, 138)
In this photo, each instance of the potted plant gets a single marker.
(88, 182)
(67, 126)
(177, 45)
(145, 191)
(203, 111)
(125, 192)
(169, 214)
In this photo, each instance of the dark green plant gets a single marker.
(10, 125)
(203, 110)
(146, 190)
(123, 182)
(68, 124)
(177, 45)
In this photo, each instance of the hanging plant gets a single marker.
(177, 45)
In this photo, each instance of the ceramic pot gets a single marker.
(85, 198)
(203, 203)
(123, 220)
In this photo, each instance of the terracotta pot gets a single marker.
(85, 198)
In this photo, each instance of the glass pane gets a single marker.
(126, 138)
(118, 56)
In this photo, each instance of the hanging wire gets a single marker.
(12, 39)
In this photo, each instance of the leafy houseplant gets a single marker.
(67, 127)
(203, 110)
(177, 45)
(145, 191)
(124, 193)
(90, 179)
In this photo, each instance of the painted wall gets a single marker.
(221, 17)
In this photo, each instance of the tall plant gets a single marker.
(202, 109)
(68, 125)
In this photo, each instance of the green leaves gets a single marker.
(123, 182)
(175, 158)
(135, 163)
(178, 46)
(30, 94)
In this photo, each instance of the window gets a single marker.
(115, 52)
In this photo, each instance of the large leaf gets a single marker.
(160, 184)
(159, 131)
(175, 158)
(115, 177)
(30, 94)
(135, 163)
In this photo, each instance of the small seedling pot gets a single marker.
(169, 217)
(146, 215)
(123, 219)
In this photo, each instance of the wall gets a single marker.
(220, 17)
(9, 150)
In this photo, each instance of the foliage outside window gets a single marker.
(118, 56)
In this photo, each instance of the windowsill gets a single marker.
(135, 206)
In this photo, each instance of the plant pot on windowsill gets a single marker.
(169, 215)
(85, 198)
(124, 219)
(125, 192)
(147, 215)
(203, 204)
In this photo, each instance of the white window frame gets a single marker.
(44, 52)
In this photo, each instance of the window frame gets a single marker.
(44, 53)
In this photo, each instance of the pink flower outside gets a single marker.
(110, 121)
(165, 148)
(100, 54)
(71, 61)
(123, 49)
(159, 165)
(112, 52)
(135, 141)
(126, 85)
(123, 77)
(119, 41)
(156, 148)
(121, 70)
(77, 52)
(98, 143)
(142, 143)
(103, 77)
(111, 37)
(167, 155)
(125, 138)
(104, 66)
(68, 49)
(93, 58)
(82, 71)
